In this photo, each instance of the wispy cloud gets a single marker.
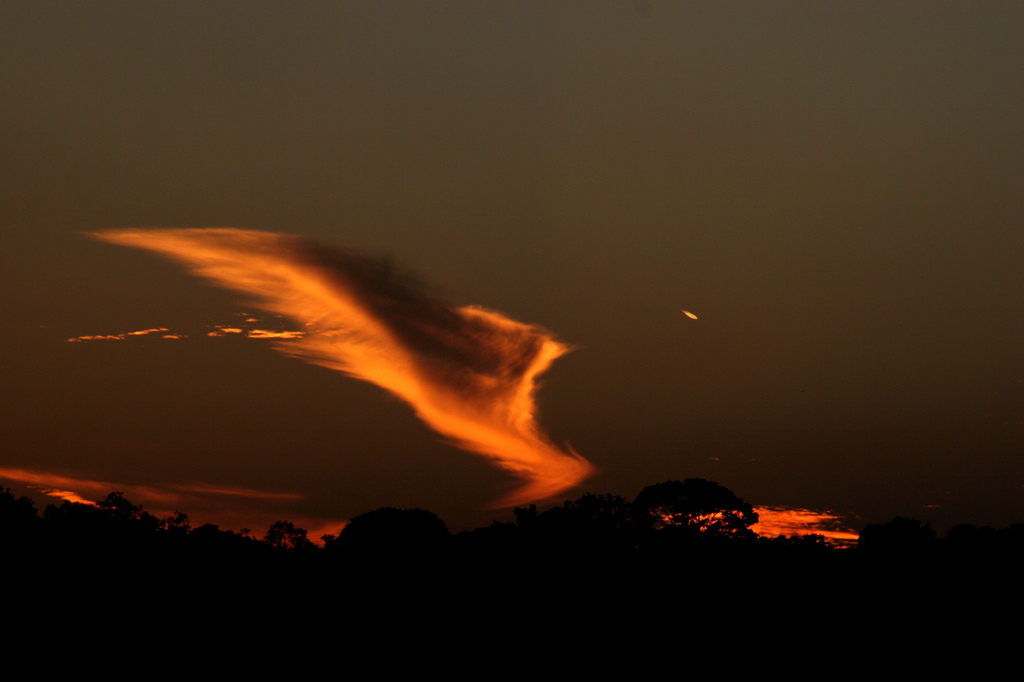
(98, 337)
(230, 491)
(269, 334)
(227, 506)
(790, 521)
(149, 331)
(66, 495)
(218, 330)
(122, 336)
(469, 373)
(56, 485)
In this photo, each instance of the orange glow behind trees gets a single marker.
(469, 373)
(791, 521)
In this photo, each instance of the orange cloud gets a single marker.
(790, 521)
(122, 336)
(469, 373)
(219, 330)
(66, 495)
(48, 482)
(268, 334)
(115, 337)
(206, 489)
(229, 507)
(148, 331)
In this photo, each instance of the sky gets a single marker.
(832, 188)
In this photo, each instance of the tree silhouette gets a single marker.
(126, 514)
(899, 535)
(16, 511)
(600, 511)
(178, 524)
(284, 535)
(18, 519)
(591, 516)
(389, 531)
(583, 534)
(694, 505)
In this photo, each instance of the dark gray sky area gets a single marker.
(833, 188)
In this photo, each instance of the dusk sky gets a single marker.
(834, 189)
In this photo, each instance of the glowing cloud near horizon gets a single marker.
(469, 373)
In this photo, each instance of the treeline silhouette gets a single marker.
(674, 521)
(677, 542)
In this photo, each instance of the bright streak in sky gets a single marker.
(689, 314)
(469, 373)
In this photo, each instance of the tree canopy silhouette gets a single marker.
(285, 535)
(900, 535)
(694, 505)
(389, 530)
